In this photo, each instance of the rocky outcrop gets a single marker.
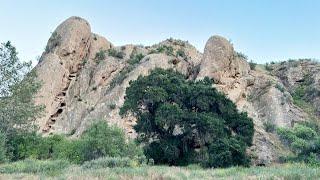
(85, 77)
(253, 91)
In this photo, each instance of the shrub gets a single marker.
(241, 55)
(112, 106)
(101, 55)
(114, 53)
(101, 140)
(180, 121)
(180, 53)
(304, 141)
(280, 87)
(23, 145)
(165, 49)
(121, 76)
(35, 166)
(135, 59)
(85, 61)
(97, 141)
(252, 65)
(269, 126)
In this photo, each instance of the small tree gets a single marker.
(18, 86)
(182, 122)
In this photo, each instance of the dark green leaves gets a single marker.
(181, 121)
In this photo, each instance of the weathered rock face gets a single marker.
(79, 87)
(85, 77)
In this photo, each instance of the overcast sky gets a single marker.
(265, 30)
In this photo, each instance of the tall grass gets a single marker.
(97, 170)
(35, 167)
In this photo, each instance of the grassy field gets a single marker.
(30, 169)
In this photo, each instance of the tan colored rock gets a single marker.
(66, 49)
(219, 61)
(98, 43)
(78, 90)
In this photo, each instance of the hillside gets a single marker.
(85, 76)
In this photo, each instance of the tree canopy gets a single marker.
(182, 121)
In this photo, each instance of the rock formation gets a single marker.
(85, 77)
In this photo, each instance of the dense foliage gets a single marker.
(182, 122)
(99, 140)
(18, 86)
(304, 141)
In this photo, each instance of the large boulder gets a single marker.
(220, 61)
(66, 49)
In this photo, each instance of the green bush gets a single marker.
(97, 141)
(101, 55)
(135, 59)
(241, 55)
(181, 53)
(35, 166)
(121, 76)
(165, 49)
(114, 53)
(304, 142)
(180, 121)
(280, 87)
(100, 140)
(23, 145)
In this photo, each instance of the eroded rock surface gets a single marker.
(85, 77)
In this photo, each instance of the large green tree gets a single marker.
(182, 122)
(18, 86)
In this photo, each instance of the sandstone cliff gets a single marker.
(85, 76)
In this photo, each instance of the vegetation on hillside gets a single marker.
(18, 85)
(304, 141)
(99, 140)
(182, 122)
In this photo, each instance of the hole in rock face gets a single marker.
(60, 111)
(103, 77)
(63, 104)
(62, 94)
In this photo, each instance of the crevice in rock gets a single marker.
(61, 96)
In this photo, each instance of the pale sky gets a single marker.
(265, 30)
